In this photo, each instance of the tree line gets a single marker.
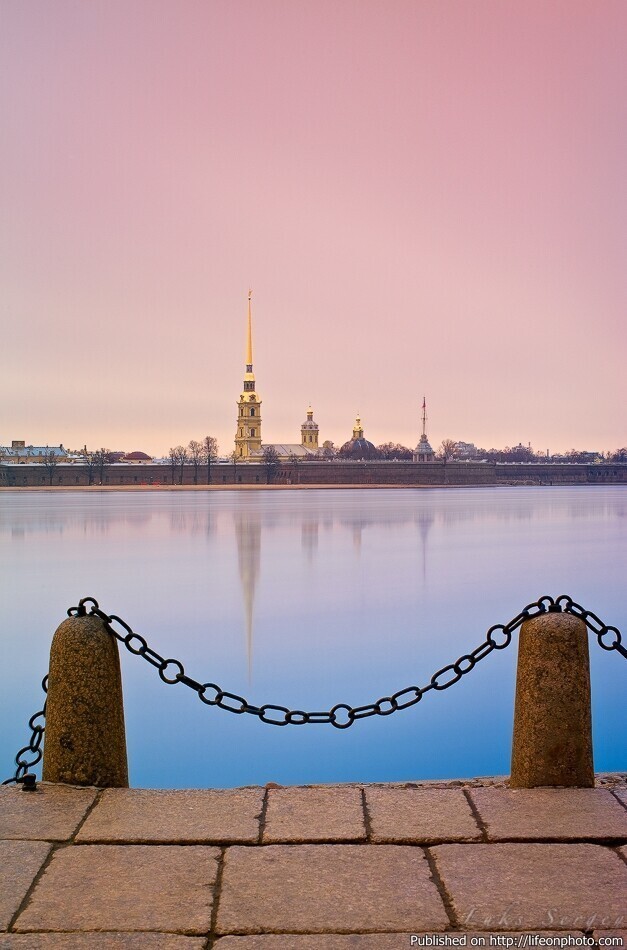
(199, 454)
(202, 455)
(450, 450)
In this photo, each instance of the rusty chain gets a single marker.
(342, 715)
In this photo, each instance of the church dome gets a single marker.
(309, 421)
(358, 448)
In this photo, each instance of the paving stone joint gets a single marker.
(352, 867)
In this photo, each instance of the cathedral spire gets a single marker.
(248, 433)
(249, 338)
(424, 417)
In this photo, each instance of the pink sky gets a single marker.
(425, 197)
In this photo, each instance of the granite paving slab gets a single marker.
(20, 861)
(621, 794)
(533, 886)
(131, 887)
(314, 814)
(328, 888)
(420, 815)
(101, 941)
(51, 813)
(192, 816)
(558, 813)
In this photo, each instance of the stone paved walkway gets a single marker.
(328, 867)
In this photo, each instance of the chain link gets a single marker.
(342, 716)
(22, 774)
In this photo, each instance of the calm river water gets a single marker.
(306, 599)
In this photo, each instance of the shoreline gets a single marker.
(307, 487)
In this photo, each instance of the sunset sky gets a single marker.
(426, 197)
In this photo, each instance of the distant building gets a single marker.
(309, 431)
(423, 451)
(19, 453)
(307, 448)
(358, 448)
(466, 450)
(136, 458)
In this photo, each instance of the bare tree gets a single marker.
(271, 460)
(194, 450)
(102, 459)
(328, 450)
(447, 450)
(90, 462)
(50, 462)
(519, 453)
(178, 457)
(209, 453)
(173, 463)
(394, 451)
(295, 460)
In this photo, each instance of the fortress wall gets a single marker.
(323, 473)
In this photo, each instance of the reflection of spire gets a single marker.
(424, 518)
(248, 535)
(309, 537)
(358, 526)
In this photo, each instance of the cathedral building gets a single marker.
(248, 446)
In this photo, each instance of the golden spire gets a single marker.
(249, 340)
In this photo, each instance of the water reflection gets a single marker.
(76, 513)
(305, 599)
(248, 534)
(424, 521)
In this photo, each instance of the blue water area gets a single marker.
(306, 599)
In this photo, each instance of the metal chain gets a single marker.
(22, 774)
(594, 624)
(342, 715)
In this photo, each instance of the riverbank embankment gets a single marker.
(327, 474)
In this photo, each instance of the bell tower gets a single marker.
(248, 433)
(309, 431)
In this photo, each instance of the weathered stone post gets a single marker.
(85, 741)
(552, 743)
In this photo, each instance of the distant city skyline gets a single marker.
(424, 198)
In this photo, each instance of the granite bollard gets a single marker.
(85, 740)
(552, 742)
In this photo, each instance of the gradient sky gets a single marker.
(425, 197)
